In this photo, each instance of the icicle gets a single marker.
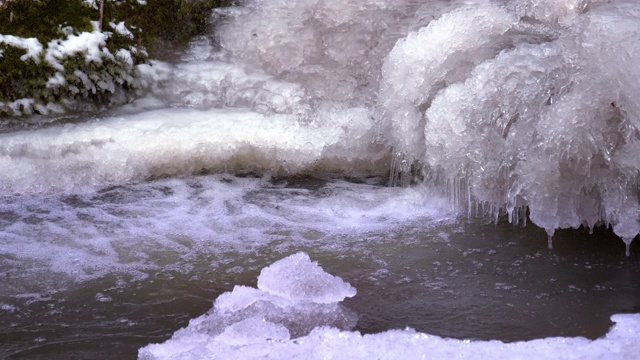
(627, 243)
(550, 238)
(399, 171)
(393, 171)
(468, 199)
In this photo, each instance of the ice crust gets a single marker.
(121, 149)
(250, 317)
(250, 323)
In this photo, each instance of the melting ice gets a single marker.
(294, 296)
(304, 320)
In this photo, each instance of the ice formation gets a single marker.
(515, 104)
(250, 323)
(551, 125)
(294, 296)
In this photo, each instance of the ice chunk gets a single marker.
(433, 57)
(249, 318)
(298, 278)
(229, 331)
(253, 330)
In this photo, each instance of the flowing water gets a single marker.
(281, 132)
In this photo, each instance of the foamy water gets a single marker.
(475, 107)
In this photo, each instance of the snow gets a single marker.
(31, 45)
(125, 55)
(90, 44)
(121, 29)
(56, 80)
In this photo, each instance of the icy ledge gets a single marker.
(295, 314)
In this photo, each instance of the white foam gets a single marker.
(249, 323)
(159, 225)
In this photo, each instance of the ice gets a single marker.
(249, 323)
(305, 281)
(332, 49)
(525, 106)
(520, 106)
(432, 58)
(156, 143)
(253, 330)
(528, 104)
(249, 317)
